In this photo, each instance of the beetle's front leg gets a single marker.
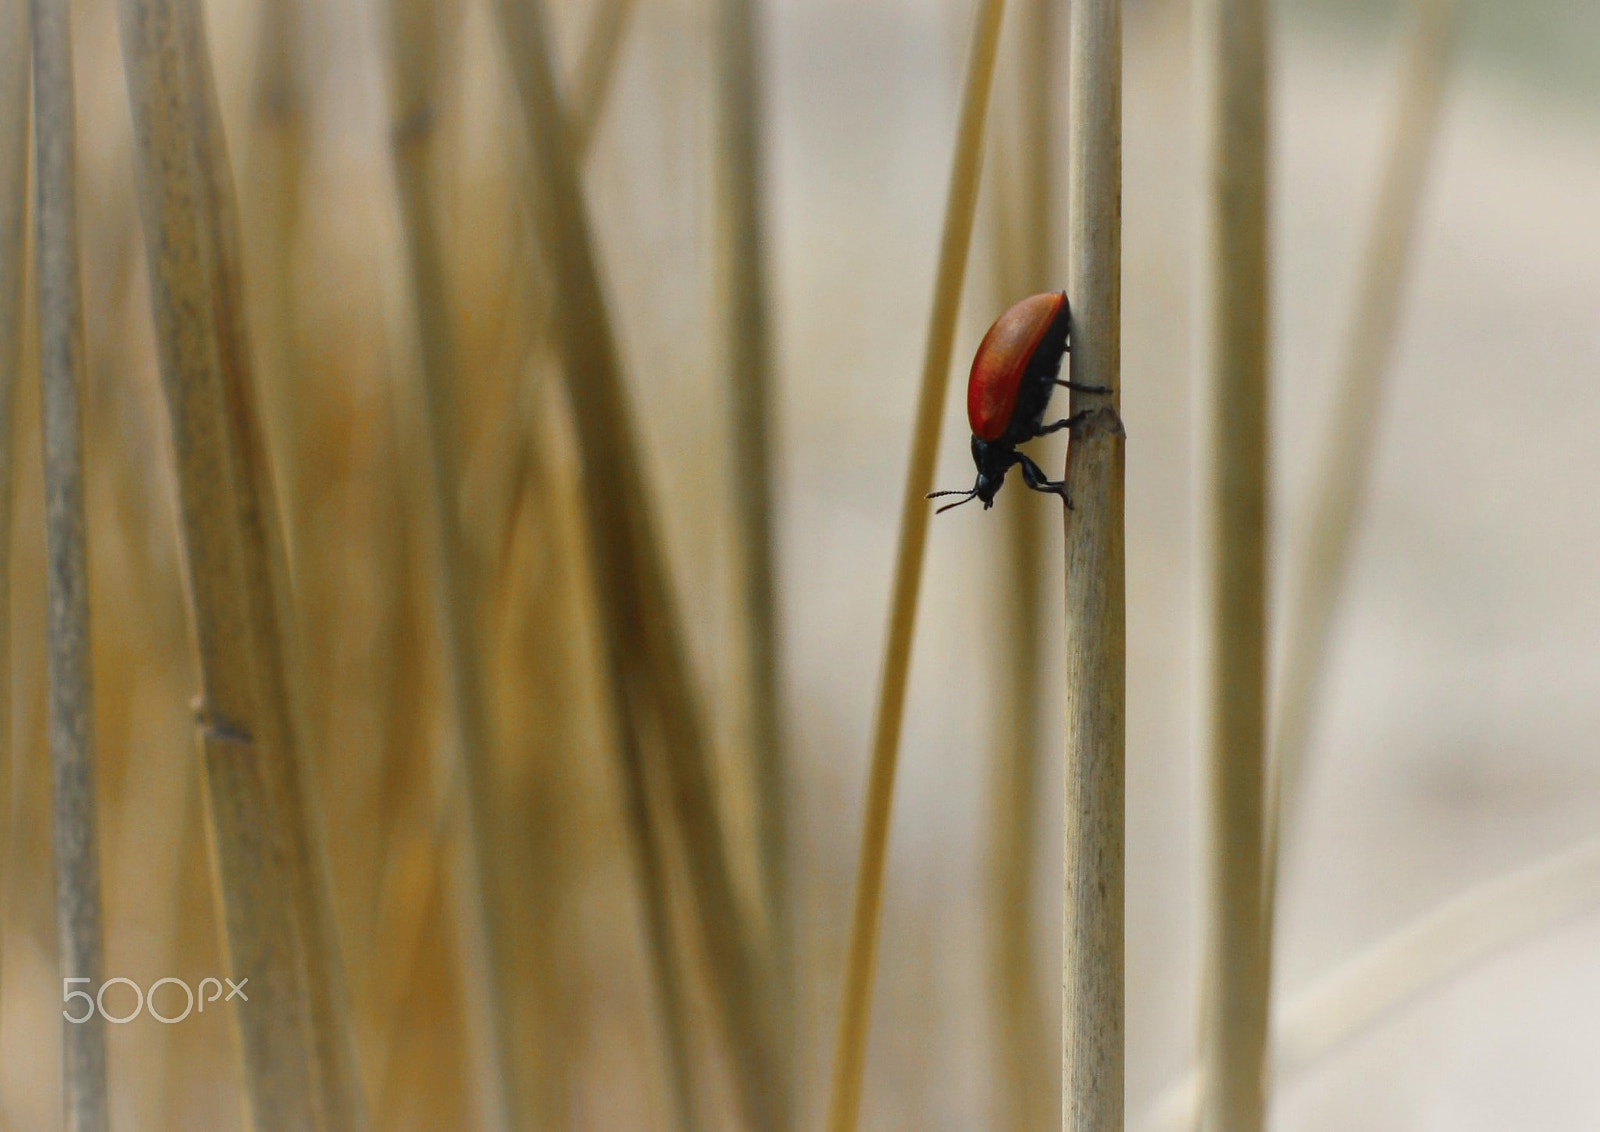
(1035, 478)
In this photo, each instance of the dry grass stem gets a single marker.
(747, 362)
(1341, 483)
(1449, 940)
(266, 570)
(1235, 974)
(14, 102)
(1024, 241)
(272, 167)
(849, 1061)
(596, 68)
(483, 919)
(299, 1067)
(61, 378)
(1092, 1010)
(642, 632)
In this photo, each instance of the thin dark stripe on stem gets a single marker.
(71, 720)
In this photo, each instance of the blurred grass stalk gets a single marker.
(647, 840)
(61, 377)
(644, 645)
(298, 1058)
(14, 110)
(1092, 1000)
(961, 204)
(273, 164)
(1438, 945)
(1232, 40)
(483, 919)
(1022, 187)
(747, 360)
(1342, 481)
(279, 676)
(596, 67)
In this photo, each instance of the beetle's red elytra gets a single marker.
(1014, 372)
(1003, 357)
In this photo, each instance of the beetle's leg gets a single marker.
(1035, 478)
(1067, 422)
(1079, 387)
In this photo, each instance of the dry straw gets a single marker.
(1233, 64)
(61, 372)
(1092, 1011)
(1451, 939)
(1341, 487)
(13, 270)
(483, 919)
(747, 365)
(266, 571)
(1341, 483)
(1024, 242)
(596, 67)
(641, 627)
(299, 1064)
(961, 204)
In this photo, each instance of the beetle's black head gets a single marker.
(993, 460)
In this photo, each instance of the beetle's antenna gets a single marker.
(970, 496)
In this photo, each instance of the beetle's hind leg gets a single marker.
(1066, 422)
(1034, 477)
(1080, 387)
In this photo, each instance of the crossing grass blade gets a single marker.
(641, 626)
(850, 1049)
(299, 1065)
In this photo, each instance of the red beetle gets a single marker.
(1014, 372)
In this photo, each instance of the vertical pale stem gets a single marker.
(1346, 469)
(61, 374)
(489, 982)
(1092, 1003)
(1233, 42)
(1023, 1049)
(850, 1052)
(14, 79)
(748, 386)
(639, 616)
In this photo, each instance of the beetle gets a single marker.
(1016, 368)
